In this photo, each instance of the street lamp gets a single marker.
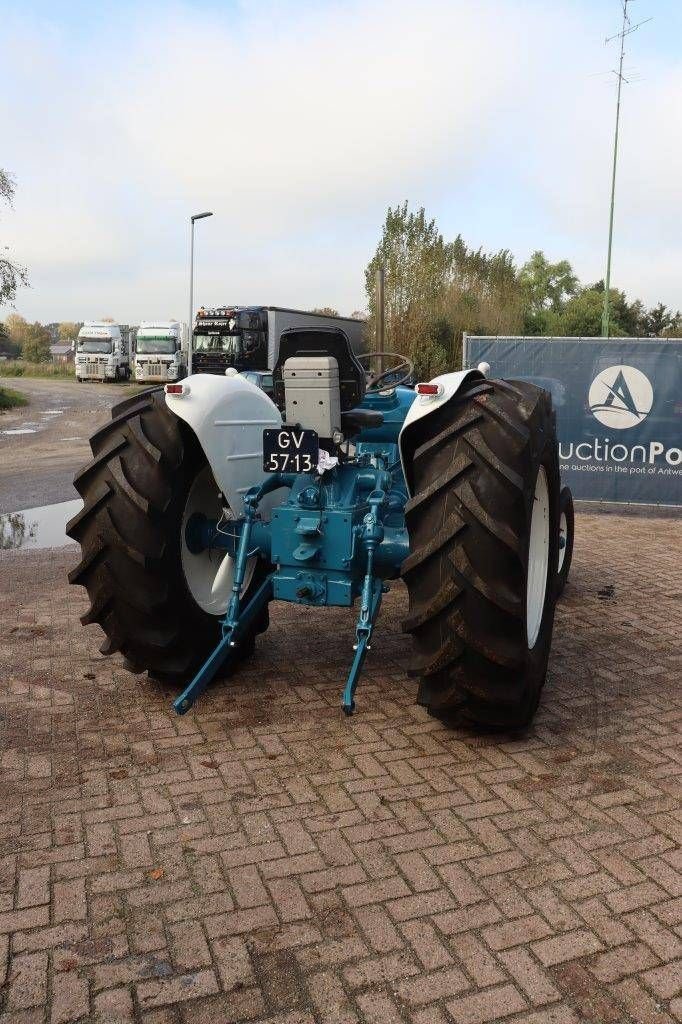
(190, 326)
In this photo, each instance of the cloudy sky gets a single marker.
(299, 121)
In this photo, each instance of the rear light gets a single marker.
(430, 390)
(179, 390)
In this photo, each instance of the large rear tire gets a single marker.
(157, 603)
(483, 527)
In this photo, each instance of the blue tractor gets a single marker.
(208, 499)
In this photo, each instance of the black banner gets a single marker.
(618, 405)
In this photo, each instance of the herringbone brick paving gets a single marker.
(267, 859)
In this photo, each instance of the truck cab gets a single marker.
(160, 352)
(230, 336)
(102, 352)
(246, 338)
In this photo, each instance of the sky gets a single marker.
(298, 122)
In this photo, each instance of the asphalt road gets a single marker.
(44, 443)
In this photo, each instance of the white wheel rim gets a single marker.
(563, 536)
(538, 558)
(209, 574)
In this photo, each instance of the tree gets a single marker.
(7, 346)
(32, 340)
(12, 275)
(36, 346)
(547, 287)
(68, 330)
(17, 328)
(581, 315)
(417, 263)
(661, 322)
(325, 311)
(435, 290)
(483, 295)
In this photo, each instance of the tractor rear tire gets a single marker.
(481, 572)
(135, 492)
(566, 525)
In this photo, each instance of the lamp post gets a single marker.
(193, 218)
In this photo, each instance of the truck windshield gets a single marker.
(94, 345)
(230, 344)
(155, 346)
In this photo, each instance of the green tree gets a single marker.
(7, 346)
(661, 322)
(68, 330)
(12, 275)
(581, 315)
(547, 287)
(325, 311)
(36, 345)
(435, 290)
(417, 263)
(483, 295)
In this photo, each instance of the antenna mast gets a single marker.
(626, 30)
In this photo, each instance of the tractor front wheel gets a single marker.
(483, 524)
(158, 603)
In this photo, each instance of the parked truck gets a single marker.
(160, 351)
(247, 337)
(103, 351)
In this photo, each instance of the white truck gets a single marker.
(247, 337)
(103, 351)
(160, 351)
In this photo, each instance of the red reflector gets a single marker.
(175, 389)
(429, 389)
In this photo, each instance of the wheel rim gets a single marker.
(209, 575)
(538, 559)
(563, 539)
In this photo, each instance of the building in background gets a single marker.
(61, 353)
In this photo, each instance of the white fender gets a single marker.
(424, 405)
(228, 416)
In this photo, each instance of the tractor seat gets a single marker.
(355, 420)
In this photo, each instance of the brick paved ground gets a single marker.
(268, 859)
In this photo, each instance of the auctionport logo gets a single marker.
(621, 397)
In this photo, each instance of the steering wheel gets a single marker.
(393, 377)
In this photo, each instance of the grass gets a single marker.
(11, 399)
(19, 368)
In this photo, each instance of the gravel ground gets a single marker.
(38, 464)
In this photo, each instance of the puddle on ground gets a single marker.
(42, 527)
(19, 430)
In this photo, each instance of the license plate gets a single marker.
(288, 450)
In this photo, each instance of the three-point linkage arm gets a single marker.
(237, 620)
